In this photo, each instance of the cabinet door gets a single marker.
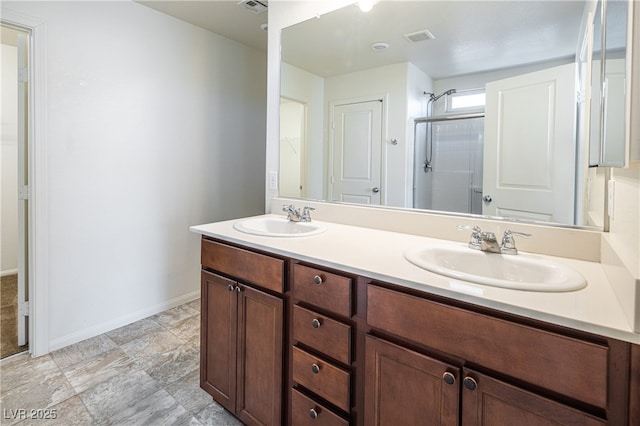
(218, 339)
(260, 347)
(489, 402)
(403, 387)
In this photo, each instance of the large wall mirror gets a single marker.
(468, 107)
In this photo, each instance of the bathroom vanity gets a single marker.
(338, 328)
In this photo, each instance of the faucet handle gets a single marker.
(508, 245)
(475, 241)
(306, 215)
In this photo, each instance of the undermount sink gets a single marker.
(278, 227)
(518, 272)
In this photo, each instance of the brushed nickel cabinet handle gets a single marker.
(315, 368)
(316, 323)
(313, 413)
(470, 383)
(230, 287)
(449, 378)
(238, 289)
(318, 279)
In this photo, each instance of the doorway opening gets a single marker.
(14, 289)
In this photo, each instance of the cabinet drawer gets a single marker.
(323, 289)
(302, 414)
(328, 336)
(561, 364)
(247, 266)
(325, 379)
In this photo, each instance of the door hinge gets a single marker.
(580, 97)
(23, 75)
(23, 309)
(23, 192)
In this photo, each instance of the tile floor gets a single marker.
(146, 373)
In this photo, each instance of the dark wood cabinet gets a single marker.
(242, 349)
(404, 387)
(490, 402)
(364, 352)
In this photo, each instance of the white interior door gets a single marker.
(23, 189)
(357, 146)
(530, 174)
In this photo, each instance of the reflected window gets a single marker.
(466, 101)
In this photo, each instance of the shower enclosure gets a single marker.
(448, 156)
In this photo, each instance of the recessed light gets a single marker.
(379, 46)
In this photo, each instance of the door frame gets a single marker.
(331, 141)
(37, 222)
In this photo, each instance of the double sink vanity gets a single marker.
(314, 322)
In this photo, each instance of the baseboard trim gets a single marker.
(8, 272)
(96, 330)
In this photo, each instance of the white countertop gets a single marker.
(380, 255)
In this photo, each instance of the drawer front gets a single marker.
(306, 412)
(323, 289)
(247, 266)
(325, 379)
(326, 335)
(562, 364)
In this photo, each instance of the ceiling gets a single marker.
(224, 17)
(470, 36)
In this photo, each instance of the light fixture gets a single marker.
(379, 46)
(365, 5)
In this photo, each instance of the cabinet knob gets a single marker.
(315, 368)
(449, 378)
(470, 383)
(318, 279)
(238, 289)
(316, 323)
(313, 413)
(230, 287)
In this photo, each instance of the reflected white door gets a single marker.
(530, 174)
(292, 149)
(23, 190)
(357, 147)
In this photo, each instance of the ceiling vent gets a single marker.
(419, 36)
(254, 6)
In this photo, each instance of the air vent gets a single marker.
(254, 6)
(419, 36)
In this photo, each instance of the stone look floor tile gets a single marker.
(176, 364)
(71, 412)
(126, 334)
(145, 373)
(80, 351)
(13, 371)
(117, 394)
(187, 328)
(146, 349)
(174, 315)
(93, 371)
(194, 304)
(160, 408)
(188, 393)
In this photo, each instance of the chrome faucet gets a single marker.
(486, 241)
(294, 214)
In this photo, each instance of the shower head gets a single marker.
(434, 98)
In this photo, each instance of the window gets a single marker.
(466, 101)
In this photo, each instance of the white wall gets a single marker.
(9, 159)
(154, 125)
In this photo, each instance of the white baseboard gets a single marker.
(96, 330)
(8, 272)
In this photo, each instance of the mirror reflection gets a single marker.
(464, 107)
